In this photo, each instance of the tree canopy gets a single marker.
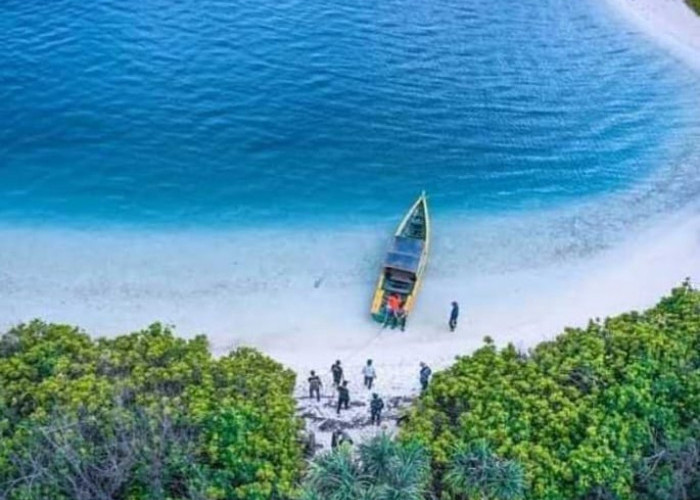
(142, 416)
(608, 411)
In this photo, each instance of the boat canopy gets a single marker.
(405, 254)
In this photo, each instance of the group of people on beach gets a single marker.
(369, 374)
(395, 317)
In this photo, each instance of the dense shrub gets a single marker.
(142, 416)
(695, 5)
(609, 411)
(383, 469)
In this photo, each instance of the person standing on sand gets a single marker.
(337, 372)
(424, 375)
(454, 314)
(369, 373)
(343, 397)
(375, 407)
(315, 386)
(400, 317)
(392, 306)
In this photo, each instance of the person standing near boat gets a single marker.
(400, 318)
(392, 306)
(369, 373)
(337, 372)
(454, 314)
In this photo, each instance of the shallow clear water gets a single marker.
(249, 112)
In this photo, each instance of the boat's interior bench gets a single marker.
(398, 281)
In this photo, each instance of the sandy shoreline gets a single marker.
(66, 278)
(631, 276)
(307, 327)
(671, 23)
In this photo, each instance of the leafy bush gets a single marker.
(384, 469)
(609, 411)
(142, 416)
(695, 5)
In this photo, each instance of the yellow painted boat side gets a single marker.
(410, 301)
(378, 296)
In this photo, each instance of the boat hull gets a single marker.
(403, 270)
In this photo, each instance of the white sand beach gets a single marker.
(533, 307)
(671, 23)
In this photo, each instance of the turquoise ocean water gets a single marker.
(269, 113)
(203, 163)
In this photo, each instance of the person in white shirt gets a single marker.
(369, 373)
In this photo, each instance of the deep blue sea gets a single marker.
(266, 112)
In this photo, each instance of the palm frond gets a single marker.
(376, 456)
(335, 476)
(476, 471)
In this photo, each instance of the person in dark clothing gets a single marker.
(424, 376)
(340, 437)
(337, 372)
(375, 407)
(454, 314)
(315, 386)
(343, 396)
(400, 318)
(308, 444)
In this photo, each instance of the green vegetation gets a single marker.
(611, 411)
(383, 469)
(695, 5)
(476, 472)
(142, 416)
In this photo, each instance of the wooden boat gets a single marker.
(404, 265)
